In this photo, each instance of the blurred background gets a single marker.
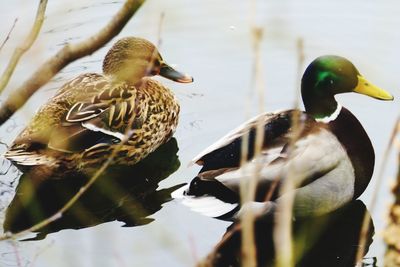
(212, 41)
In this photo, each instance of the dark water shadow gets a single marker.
(126, 194)
(329, 240)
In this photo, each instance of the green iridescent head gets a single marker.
(329, 75)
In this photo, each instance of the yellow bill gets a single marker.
(366, 88)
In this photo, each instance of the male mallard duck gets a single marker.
(93, 113)
(331, 160)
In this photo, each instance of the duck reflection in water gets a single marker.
(124, 193)
(329, 240)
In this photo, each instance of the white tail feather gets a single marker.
(30, 159)
(206, 205)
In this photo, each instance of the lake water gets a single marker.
(212, 41)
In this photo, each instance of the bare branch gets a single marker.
(8, 34)
(72, 201)
(28, 42)
(66, 55)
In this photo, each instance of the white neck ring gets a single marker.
(331, 117)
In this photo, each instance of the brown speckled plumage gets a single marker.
(91, 114)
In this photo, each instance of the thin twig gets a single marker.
(283, 225)
(159, 32)
(382, 168)
(72, 201)
(97, 174)
(17, 254)
(159, 42)
(66, 55)
(25, 46)
(248, 186)
(391, 237)
(83, 189)
(9, 34)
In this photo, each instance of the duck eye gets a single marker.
(327, 82)
(154, 69)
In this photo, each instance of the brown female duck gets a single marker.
(92, 114)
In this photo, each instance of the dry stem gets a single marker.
(26, 44)
(366, 221)
(66, 55)
(8, 34)
(283, 225)
(392, 230)
(248, 187)
(72, 201)
(391, 237)
(83, 189)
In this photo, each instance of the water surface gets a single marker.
(211, 40)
